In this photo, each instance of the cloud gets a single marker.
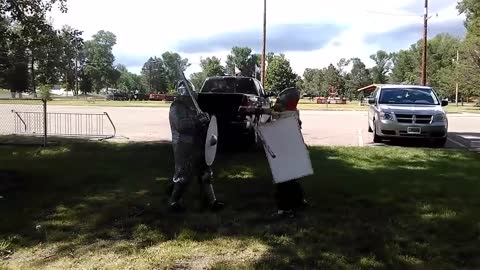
(130, 60)
(280, 38)
(404, 36)
(433, 6)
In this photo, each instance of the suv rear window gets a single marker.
(230, 85)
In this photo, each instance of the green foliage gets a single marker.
(383, 65)
(212, 66)
(173, 64)
(244, 60)
(358, 77)
(197, 79)
(469, 64)
(155, 76)
(332, 80)
(99, 59)
(313, 81)
(406, 66)
(279, 74)
(45, 92)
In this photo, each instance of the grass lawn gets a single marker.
(304, 104)
(101, 205)
(108, 103)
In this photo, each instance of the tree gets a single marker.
(313, 81)
(279, 74)
(197, 79)
(244, 60)
(173, 64)
(332, 80)
(212, 66)
(155, 75)
(358, 77)
(86, 83)
(17, 77)
(48, 54)
(4, 49)
(469, 64)
(471, 9)
(29, 11)
(382, 67)
(72, 44)
(99, 58)
(405, 66)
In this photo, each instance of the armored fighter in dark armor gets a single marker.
(189, 128)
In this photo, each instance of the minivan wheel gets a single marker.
(376, 138)
(440, 143)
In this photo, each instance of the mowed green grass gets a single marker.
(102, 205)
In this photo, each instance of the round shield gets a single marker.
(211, 141)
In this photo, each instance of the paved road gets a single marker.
(319, 127)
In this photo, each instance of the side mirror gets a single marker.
(371, 101)
(444, 103)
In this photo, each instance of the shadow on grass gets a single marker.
(371, 208)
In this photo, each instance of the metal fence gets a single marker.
(28, 118)
(12, 124)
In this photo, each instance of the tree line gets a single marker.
(33, 54)
(451, 60)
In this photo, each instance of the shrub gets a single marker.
(45, 92)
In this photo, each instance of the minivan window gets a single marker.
(421, 96)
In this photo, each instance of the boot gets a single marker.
(175, 204)
(214, 204)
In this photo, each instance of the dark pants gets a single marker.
(289, 195)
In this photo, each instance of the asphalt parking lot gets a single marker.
(344, 128)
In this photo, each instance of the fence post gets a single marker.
(44, 122)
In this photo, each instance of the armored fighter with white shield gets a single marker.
(189, 130)
(286, 150)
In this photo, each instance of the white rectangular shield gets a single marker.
(285, 140)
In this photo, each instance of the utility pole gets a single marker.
(150, 77)
(76, 74)
(456, 83)
(424, 54)
(34, 88)
(264, 42)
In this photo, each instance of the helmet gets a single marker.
(288, 99)
(181, 89)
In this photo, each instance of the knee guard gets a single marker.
(207, 176)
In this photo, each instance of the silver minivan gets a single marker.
(407, 111)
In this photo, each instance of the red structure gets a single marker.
(333, 97)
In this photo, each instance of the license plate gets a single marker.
(414, 130)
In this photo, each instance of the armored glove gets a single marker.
(203, 119)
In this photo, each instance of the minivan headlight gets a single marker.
(386, 116)
(441, 117)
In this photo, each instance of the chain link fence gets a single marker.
(15, 127)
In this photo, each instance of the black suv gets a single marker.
(224, 96)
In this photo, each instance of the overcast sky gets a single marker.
(311, 33)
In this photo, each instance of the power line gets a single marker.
(391, 14)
